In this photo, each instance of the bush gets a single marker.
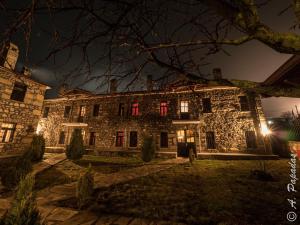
(37, 148)
(12, 175)
(75, 150)
(23, 210)
(85, 188)
(148, 149)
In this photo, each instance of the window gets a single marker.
(190, 136)
(92, 138)
(96, 110)
(163, 109)
(46, 112)
(7, 132)
(206, 105)
(82, 110)
(62, 137)
(121, 109)
(18, 92)
(180, 136)
(210, 140)
(119, 139)
(244, 103)
(250, 139)
(135, 109)
(164, 139)
(67, 111)
(133, 139)
(184, 106)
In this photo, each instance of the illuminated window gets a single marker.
(180, 136)
(190, 136)
(250, 139)
(244, 103)
(184, 106)
(82, 110)
(206, 105)
(135, 109)
(46, 112)
(62, 137)
(92, 138)
(164, 139)
(133, 139)
(7, 132)
(18, 92)
(163, 109)
(210, 140)
(120, 139)
(96, 110)
(67, 111)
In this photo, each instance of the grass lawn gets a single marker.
(209, 192)
(69, 171)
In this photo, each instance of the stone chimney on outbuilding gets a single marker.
(9, 56)
(149, 83)
(62, 89)
(113, 86)
(26, 71)
(217, 73)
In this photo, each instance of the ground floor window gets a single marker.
(210, 140)
(164, 139)
(92, 138)
(7, 132)
(120, 139)
(62, 137)
(133, 139)
(250, 139)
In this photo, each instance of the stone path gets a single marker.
(60, 215)
(49, 161)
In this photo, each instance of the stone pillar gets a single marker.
(10, 56)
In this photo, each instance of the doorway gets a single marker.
(185, 141)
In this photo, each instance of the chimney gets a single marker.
(217, 73)
(149, 83)
(26, 71)
(62, 89)
(10, 56)
(113, 85)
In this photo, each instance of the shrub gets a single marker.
(85, 188)
(37, 148)
(75, 150)
(23, 210)
(12, 175)
(148, 149)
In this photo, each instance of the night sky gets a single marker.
(251, 61)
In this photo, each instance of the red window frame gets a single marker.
(163, 108)
(135, 109)
(120, 139)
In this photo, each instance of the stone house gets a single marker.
(21, 101)
(207, 117)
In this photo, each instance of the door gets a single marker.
(185, 141)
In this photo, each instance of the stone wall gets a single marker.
(25, 115)
(226, 119)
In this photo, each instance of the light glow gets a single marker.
(265, 130)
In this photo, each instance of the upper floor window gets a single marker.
(135, 109)
(206, 105)
(82, 110)
(67, 111)
(18, 92)
(120, 139)
(184, 106)
(121, 109)
(96, 110)
(244, 103)
(163, 109)
(164, 139)
(7, 132)
(46, 112)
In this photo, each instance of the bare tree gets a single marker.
(133, 37)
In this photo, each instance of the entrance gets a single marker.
(185, 141)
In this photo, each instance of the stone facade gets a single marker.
(21, 101)
(189, 121)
